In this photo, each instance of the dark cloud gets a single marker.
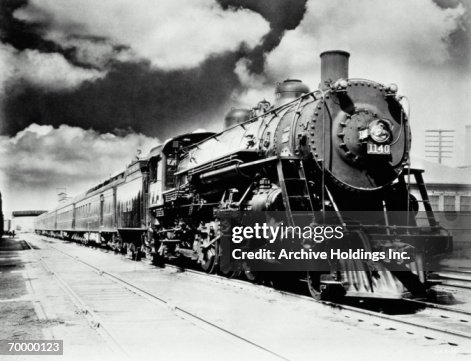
(132, 95)
(282, 14)
(19, 34)
(22, 35)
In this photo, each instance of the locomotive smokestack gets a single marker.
(334, 66)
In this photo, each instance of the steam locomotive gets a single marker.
(341, 148)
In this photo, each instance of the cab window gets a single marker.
(170, 171)
(153, 167)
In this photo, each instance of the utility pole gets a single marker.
(439, 143)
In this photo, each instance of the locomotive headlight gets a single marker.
(379, 131)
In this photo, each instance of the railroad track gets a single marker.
(435, 314)
(457, 278)
(107, 332)
(93, 319)
(435, 322)
(429, 319)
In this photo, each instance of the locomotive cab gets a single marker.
(163, 162)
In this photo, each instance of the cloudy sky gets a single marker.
(85, 83)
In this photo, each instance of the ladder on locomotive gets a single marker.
(296, 197)
(419, 181)
(295, 191)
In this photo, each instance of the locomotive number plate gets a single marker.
(373, 148)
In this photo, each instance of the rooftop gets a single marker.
(442, 174)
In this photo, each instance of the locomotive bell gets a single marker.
(236, 116)
(334, 66)
(289, 90)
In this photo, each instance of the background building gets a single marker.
(449, 188)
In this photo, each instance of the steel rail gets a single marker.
(92, 318)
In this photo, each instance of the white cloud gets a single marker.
(254, 86)
(171, 34)
(40, 158)
(97, 52)
(49, 70)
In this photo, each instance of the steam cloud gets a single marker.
(50, 70)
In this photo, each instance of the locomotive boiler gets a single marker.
(337, 155)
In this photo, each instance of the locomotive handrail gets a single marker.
(219, 162)
(240, 167)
